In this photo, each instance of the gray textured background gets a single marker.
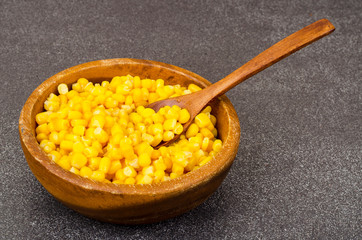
(297, 174)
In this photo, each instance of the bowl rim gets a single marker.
(189, 180)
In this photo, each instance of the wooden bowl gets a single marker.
(128, 204)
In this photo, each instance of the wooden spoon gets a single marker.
(195, 102)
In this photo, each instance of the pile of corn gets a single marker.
(103, 131)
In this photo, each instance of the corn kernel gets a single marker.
(104, 164)
(206, 133)
(78, 160)
(98, 176)
(66, 145)
(192, 130)
(169, 124)
(130, 180)
(62, 88)
(129, 171)
(93, 163)
(64, 163)
(144, 160)
(217, 145)
(202, 120)
(193, 87)
(79, 130)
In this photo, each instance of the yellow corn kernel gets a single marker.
(54, 156)
(71, 94)
(159, 164)
(193, 88)
(149, 170)
(66, 145)
(85, 172)
(158, 175)
(202, 120)
(144, 160)
(153, 97)
(129, 171)
(158, 118)
(61, 124)
(217, 145)
(78, 147)
(147, 113)
(47, 146)
(156, 128)
(137, 82)
(177, 169)
(205, 143)
(157, 139)
(78, 130)
(146, 180)
(192, 130)
(62, 135)
(98, 146)
(104, 164)
(41, 136)
(109, 122)
(116, 81)
(42, 117)
(210, 127)
(168, 135)
(129, 100)
(62, 88)
(78, 160)
(78, 122)
(146, 83)
(43, 128)
(206, 133)
(206, 109)
(135, 118)
(98, 176)
(115, 166)
(63, 99)
(172, 113)
(184, 116)
(181, 158)
(64, 162)
(169, 124)
(120, 175)
(178, 129)
(71, 137)
(130, 180)
(83, 82)
(213, 119)
(74, 170)
(141, 127)
(173, 175)
(111, 102)
(93, 163)
(101, 135)
(97, 120)
(77, 87)
(90, 152)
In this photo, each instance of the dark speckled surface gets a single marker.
(297, 174)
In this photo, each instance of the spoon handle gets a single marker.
(274, 54)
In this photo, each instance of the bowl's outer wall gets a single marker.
(128, 204)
